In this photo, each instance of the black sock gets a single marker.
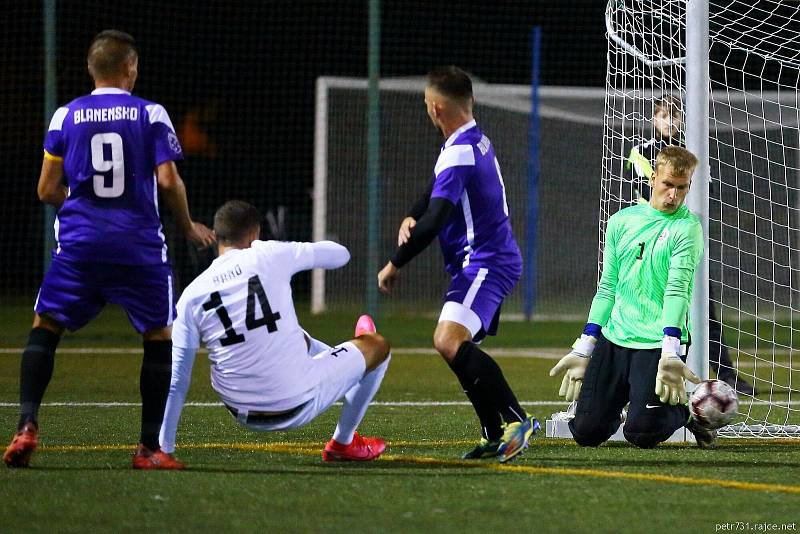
(154, 388)
(489, 416)
(473, 366)
(491, 422)
(35, 372)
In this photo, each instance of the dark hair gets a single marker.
(108, 53)
(670, 103)
(451, 82)
(234, 220)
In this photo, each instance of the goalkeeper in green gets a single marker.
(667, 125)
(632, 347)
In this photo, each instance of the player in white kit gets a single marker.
(269, 373)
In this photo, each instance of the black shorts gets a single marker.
(615, 377)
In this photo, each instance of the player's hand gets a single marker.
(670, 387)
(200, 235)
(574, 365)
(404, 234)
(387, 278)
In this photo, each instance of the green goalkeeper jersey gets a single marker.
(649, 262)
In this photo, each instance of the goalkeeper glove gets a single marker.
(670, 387)
(573, 365)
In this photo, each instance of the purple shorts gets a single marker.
(475, 295)
(73, 293)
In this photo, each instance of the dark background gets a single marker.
(246, 72)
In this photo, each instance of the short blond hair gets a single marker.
(681, 160)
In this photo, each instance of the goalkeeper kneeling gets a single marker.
(631, 348)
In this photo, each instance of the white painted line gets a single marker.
(81, 350)
(219, 404)
(744, 361)
(542, 353)
(742, 404)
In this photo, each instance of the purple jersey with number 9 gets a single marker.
(110, 143)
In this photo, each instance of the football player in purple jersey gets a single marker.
(107, 155)
(466, 207)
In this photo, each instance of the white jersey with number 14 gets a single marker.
(241, 310)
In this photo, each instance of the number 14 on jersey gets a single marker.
(268, 318)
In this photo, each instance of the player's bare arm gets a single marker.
(387, 277)
(51, 189)
(424, 232)
(404, 234)
(172, 187)
(414, 214)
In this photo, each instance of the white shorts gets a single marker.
(458, 313)
(333, 372)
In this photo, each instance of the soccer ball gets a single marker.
(713, 404)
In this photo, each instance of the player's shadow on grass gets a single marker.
(412, 468)
(297, 465)
(407, 469)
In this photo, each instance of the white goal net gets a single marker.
(754, 160)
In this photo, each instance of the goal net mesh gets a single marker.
(754, 222)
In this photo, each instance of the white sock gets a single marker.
(356, 402)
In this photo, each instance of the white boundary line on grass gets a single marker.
(543, 353)
(219, 404)
(379, 403)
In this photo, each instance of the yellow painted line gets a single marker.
(648, 477)
(313, 448)
(394, 443)
(596, 473)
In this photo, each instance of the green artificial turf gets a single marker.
(243, 481)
